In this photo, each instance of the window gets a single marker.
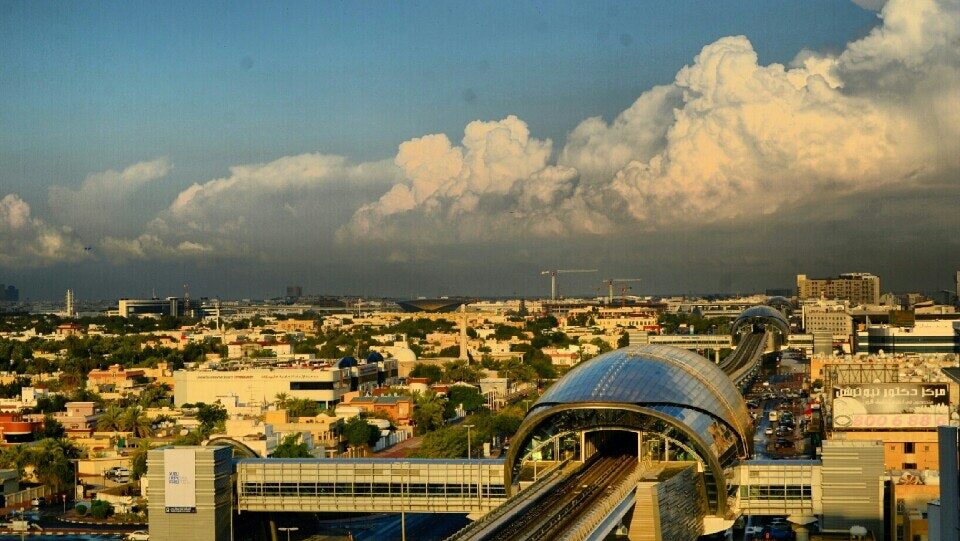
(311, 385)
(909, 465)
(908, 447)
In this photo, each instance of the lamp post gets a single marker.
(288, 529)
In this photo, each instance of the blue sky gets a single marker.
(244, 146)
(94, 86)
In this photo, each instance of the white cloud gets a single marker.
(729, 139)
(96, 203)
(27, 241)
(253, 209)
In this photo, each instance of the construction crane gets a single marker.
(611, 281)
(553, 278)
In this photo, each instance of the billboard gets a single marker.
(865, 406)
(180, 484)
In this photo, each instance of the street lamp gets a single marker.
(288, 529)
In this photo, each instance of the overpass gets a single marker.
(639, 437)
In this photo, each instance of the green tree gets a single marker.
(52, 428)
(623, 341)
(302, 407)
(111, 420)
(516, 370)
(460, 370)
(428, 412)
(155, 396)
(138, 459)
(135, 421)
(291, 447)
(50, 459)
(359, 432)
(467, 396)
(449, 442)
(211, 415)
(429, 371)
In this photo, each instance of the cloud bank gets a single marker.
(29, 242)
(726, 144)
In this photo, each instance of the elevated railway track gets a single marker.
(558, 508)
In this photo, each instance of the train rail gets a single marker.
(561, 507)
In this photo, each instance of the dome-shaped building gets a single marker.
(657, 402)
(760, 316)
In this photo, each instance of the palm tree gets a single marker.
(135, 421)
(282, 400)
(110, 419)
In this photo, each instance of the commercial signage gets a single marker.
(180, 484)
(867, 406)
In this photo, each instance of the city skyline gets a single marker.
(403, 151)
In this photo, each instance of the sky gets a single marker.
(421, 149)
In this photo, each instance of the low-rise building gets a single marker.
(325, 384)
(79, 417)
(115, 379)
(398, 408)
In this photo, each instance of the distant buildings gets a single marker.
(934, 336)
(9, 293)
(326, 385)
(294, 292)
(856, 287)
(170, 306)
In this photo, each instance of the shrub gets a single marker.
(81, 509)
(100, 509)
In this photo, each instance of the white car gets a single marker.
(139, 535)
(768, 431)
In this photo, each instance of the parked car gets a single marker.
(778, 533)
(139, 535)
(768, 431)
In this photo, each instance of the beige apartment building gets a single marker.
(856, 287)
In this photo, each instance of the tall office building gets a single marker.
(69, 309)
(9, 293)
(948, 517)
(957, 290)
(856, 287)
(294, 292)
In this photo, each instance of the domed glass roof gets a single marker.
(653, 375)
(761, 314)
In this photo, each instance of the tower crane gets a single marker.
(611, 281)
(553, 278)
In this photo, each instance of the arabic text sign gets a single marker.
(890, 405)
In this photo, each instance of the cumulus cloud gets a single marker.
(729, 138)
(256, 205)
(496, 181)
(96, 203)
(27, 241)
